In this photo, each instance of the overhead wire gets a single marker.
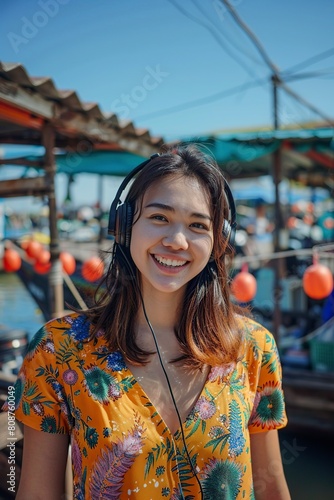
(214, 97)
(250, 84)
(272, 66)
(292, 113)
(308, 62)
(252, 36)
(208, 27)
(307, 104)
(313, 74)
(235, 45)
(204, 100)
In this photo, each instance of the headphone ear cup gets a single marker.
(229, 236)
(128, 228)
(123, 224)
(229, 226)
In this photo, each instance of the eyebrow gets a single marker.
(168, 208)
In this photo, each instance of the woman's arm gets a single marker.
(43, 466)
(268, 474)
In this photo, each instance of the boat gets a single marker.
(76, 290)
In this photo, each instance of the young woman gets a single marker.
(163, 388)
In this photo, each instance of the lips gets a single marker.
(168, 262)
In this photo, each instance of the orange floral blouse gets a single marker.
(121, 448)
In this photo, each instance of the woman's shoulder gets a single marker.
(256, 335)
(66, 337)
(73, 326)
(69, 321)
(251, 326)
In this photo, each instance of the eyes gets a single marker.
(159, 218)
(200, 225)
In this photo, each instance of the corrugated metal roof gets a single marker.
(65, 109)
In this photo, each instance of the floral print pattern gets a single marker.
(121, 448)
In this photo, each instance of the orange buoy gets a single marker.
(244, 286)
(318, 281)
(92, 269)
(11, 260)
(42, 267)
(68, 262)
(43, 257)
(33, 249)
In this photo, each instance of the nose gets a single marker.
(176, 239)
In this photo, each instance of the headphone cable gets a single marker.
(164, 372)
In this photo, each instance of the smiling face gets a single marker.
(172, 240)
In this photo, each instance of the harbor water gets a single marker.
(17, 308)
(308, 458)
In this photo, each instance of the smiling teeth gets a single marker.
(170, 262)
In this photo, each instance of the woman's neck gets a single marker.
(163, 316)
(162, 310)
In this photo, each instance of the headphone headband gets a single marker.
(113, 213)
(121, 216)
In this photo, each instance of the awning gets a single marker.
(307, 155)
(28, 102)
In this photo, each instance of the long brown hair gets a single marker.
(207, 331)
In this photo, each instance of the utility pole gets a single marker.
(276, 175)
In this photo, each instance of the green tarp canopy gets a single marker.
(250, 153)
(98, 162)
(243, 154)
(240, 154)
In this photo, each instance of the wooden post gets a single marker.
(55, 275)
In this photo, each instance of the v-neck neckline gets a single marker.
(155, 409)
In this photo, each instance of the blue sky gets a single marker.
(143, 58)
(151, 61)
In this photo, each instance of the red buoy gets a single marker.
(318, 281)
(43, 257)
(33, 249)
(244, 286)
(42, 268)
(68, 262)
(11, 260)
(92, 269)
